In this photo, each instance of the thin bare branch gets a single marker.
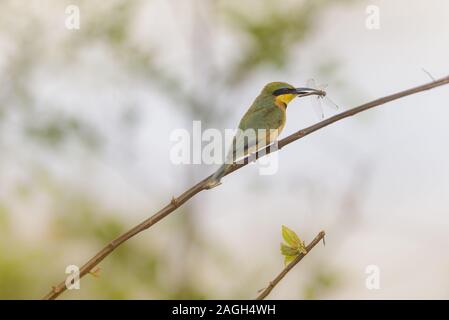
(202, 185)
(290, 266)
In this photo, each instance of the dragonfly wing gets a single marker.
(330, 103)
(316, 105)
(311, 84)
(315, 100)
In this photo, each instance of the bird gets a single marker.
(261, 124)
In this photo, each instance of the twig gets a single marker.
(202, 185)
(290, 266)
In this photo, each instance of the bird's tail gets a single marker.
(216, 177)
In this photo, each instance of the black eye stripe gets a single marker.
(281, 91)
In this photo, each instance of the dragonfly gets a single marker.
(318, 100)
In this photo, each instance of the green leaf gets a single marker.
(289, 251)
(291, 237)
(288, 259)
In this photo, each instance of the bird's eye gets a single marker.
(280, 91)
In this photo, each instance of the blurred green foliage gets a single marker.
(79, 223)
(56, 131)
(271, 34)
(321, 282)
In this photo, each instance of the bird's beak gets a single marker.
(303, 92)
(300, 92)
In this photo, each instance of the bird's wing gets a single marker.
(262, 118)
(243, 144)
(247, 140)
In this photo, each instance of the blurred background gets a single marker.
(85, 120)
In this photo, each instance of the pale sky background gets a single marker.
(403, 146)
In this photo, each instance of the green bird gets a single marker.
(262, 123)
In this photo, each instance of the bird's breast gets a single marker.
(283, 112)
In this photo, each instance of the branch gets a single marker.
(202, 185)
(290, 266)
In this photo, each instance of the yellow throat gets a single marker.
(285, 98)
